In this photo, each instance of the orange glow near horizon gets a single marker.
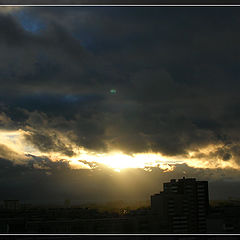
(119, 160)
(116, 160)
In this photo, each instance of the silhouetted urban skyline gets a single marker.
(182, 207)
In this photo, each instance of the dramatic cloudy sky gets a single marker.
(109, 102)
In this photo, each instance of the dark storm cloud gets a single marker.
(46, 142)
(46, 61)
(175, 73)
(85, 129)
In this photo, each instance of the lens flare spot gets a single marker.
(113, 91)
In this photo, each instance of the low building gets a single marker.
(11, 204)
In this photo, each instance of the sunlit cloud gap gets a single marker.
(119, 161)
(116, 160)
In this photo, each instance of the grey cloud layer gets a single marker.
(175, 72)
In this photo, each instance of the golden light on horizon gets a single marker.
(119, 160)
(116, 160)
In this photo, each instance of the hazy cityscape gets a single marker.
(182, 207)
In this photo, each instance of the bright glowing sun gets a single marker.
(119, 160)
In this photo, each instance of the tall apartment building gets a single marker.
(182, 206)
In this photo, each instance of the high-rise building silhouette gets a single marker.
(182, 206)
